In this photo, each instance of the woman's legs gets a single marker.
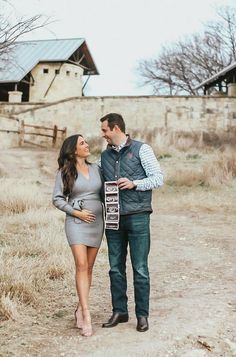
(91, 254)
(84, 260)
(79, 253)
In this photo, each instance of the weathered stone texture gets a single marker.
(82, 114)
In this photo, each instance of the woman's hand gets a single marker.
(85, 215)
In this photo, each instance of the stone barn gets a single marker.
(46, 70)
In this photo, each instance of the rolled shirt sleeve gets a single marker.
(152, 169)
(59, 200)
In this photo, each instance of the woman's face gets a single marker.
(82, 148)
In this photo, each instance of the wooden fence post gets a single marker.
(54, 138)
(21, 132)
(64, 133)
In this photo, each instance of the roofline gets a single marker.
(89, 53)
(217, 75)
(52, 39)
(2, 82)
(82, 43)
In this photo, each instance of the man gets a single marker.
(135, 168)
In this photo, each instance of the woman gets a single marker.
(77, 192)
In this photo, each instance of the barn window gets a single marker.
(67, 73)
(76, 74)
(45, 70)
(57, 71)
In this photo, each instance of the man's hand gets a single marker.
(125, 184)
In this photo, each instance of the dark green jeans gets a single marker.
(134, 231)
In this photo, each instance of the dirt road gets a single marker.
(193, 303)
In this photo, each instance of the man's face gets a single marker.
(107, 133)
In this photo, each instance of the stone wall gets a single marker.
(141, 113)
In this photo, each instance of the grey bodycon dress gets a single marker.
(85, 194)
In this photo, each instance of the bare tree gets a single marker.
(12, 30)
(225, 30)
(180, 67)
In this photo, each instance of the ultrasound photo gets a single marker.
(112, 225)
(111, 187)
(111, 198)
(112, 213)
(112, 208)
(112, 217)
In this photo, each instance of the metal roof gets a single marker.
(27, 54)
(217, 75)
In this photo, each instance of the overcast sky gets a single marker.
(119, 33)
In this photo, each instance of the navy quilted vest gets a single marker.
(126, 163)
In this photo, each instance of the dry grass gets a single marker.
(22, 291)
(33, 249)
(19, 196)
(222, 168)
(197, 199)
(55, 272)
(186, 178)
(167, 143)
(219, 169)
(32, 257)
(200, 181)
(8, 308)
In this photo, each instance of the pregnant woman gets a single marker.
(77, 192)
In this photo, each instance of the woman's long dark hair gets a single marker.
(67, 163)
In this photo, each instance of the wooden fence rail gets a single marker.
(54, 130)
(9, 131)
(22, 132)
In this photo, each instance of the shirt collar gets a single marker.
(119, 147)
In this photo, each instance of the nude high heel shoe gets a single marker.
(87, 330)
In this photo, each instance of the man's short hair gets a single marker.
(114, 119)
